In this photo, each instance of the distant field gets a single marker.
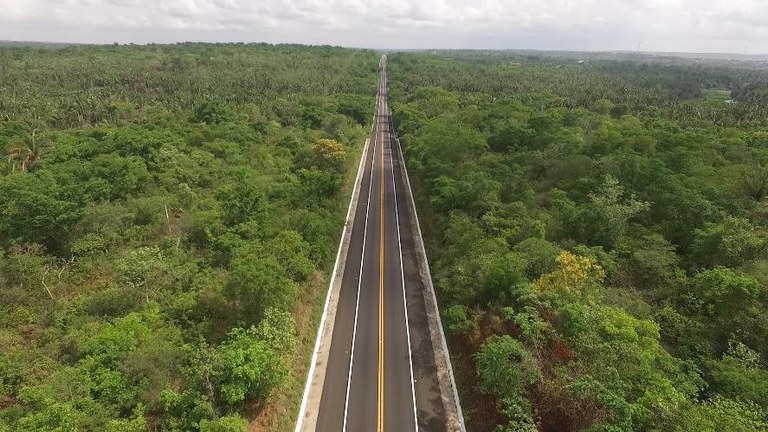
(716, 94)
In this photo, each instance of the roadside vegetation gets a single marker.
(167, 218)
(598, 236)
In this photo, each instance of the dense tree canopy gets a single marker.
(167, 214)
(597, 235)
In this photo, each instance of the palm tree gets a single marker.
(755, 182)
(8, 167)
(28, 151)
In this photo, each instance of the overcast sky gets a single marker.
(653, 25)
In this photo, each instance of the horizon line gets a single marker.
(234, 42)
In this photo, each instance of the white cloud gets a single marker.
(672, 25)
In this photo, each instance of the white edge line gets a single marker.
(457, 402)
(360, 274)
(321, 327)
(402, 278)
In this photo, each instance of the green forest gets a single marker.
(598, 236)
(168, 216)
(597, 230)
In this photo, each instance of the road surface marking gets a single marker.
(380, 425)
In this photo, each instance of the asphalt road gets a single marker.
(381, 373)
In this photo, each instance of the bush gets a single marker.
(230, 423)
(247, 368)
(458, 321)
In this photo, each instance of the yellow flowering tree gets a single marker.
(329, 154)
(575, 276)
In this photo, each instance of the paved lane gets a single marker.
(380, 374)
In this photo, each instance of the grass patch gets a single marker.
(716, 94)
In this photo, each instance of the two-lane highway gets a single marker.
(379, 393)
(369, 382)
(375, 366)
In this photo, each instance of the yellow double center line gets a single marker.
(380, 424)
